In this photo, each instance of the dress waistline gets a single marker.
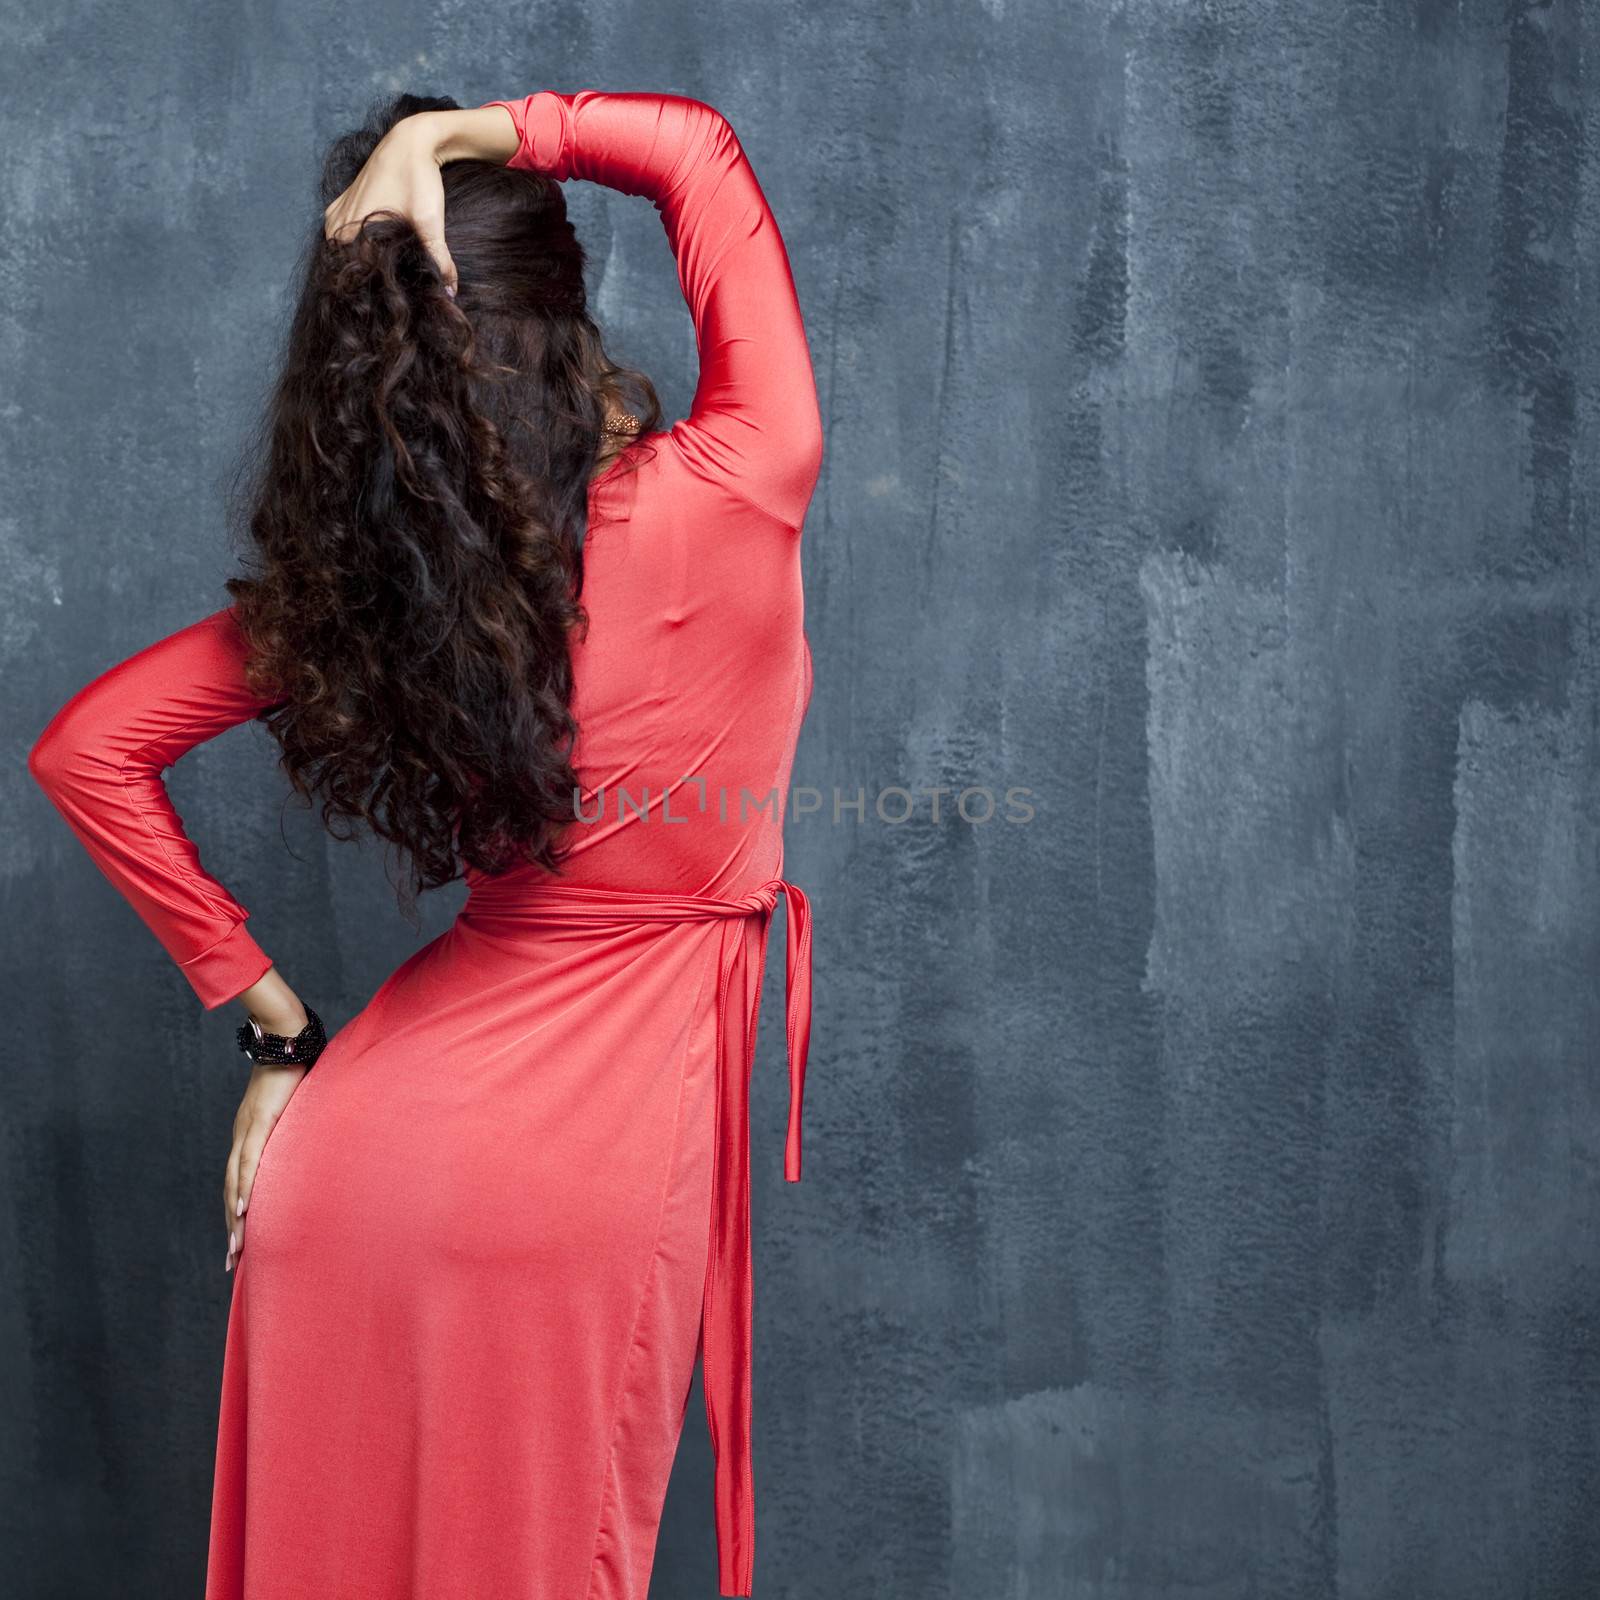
(726, 1313)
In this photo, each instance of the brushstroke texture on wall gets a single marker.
(1203, 1176)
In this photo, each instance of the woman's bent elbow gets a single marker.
(53, 761)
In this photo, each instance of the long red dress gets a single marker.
(498, 1216)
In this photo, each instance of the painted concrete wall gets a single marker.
(1203, 1176)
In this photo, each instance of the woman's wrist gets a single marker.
(485, 134)
(274, 1005)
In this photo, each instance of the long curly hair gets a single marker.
(414, 515)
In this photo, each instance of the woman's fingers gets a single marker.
(264, 1100)
(230, 1199)
(346, 217)
(249, 1160)
(400, 179)
(342, 224)
(243, 1160)
(441, 255)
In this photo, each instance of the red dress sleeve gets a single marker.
(754, 426)
(100, 761)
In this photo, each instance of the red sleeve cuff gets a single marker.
(227, 969)
(541, 124)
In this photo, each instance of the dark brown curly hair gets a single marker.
(414, 515)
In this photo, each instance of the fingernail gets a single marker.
(228, 1265)
(450, 289)
(233, 1243)
(238, 1209)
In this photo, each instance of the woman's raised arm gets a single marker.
(754, 426)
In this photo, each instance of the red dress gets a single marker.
(496, 1219)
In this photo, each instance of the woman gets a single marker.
(480, 1241)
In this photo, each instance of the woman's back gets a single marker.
(693, 678)
(690, 683)
(694, 675)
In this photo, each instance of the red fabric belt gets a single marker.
(727, 1310)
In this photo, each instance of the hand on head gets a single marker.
(400, 178)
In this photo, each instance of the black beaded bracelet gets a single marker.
(279, 1049)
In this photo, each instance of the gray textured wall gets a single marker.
(1203, 1178)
